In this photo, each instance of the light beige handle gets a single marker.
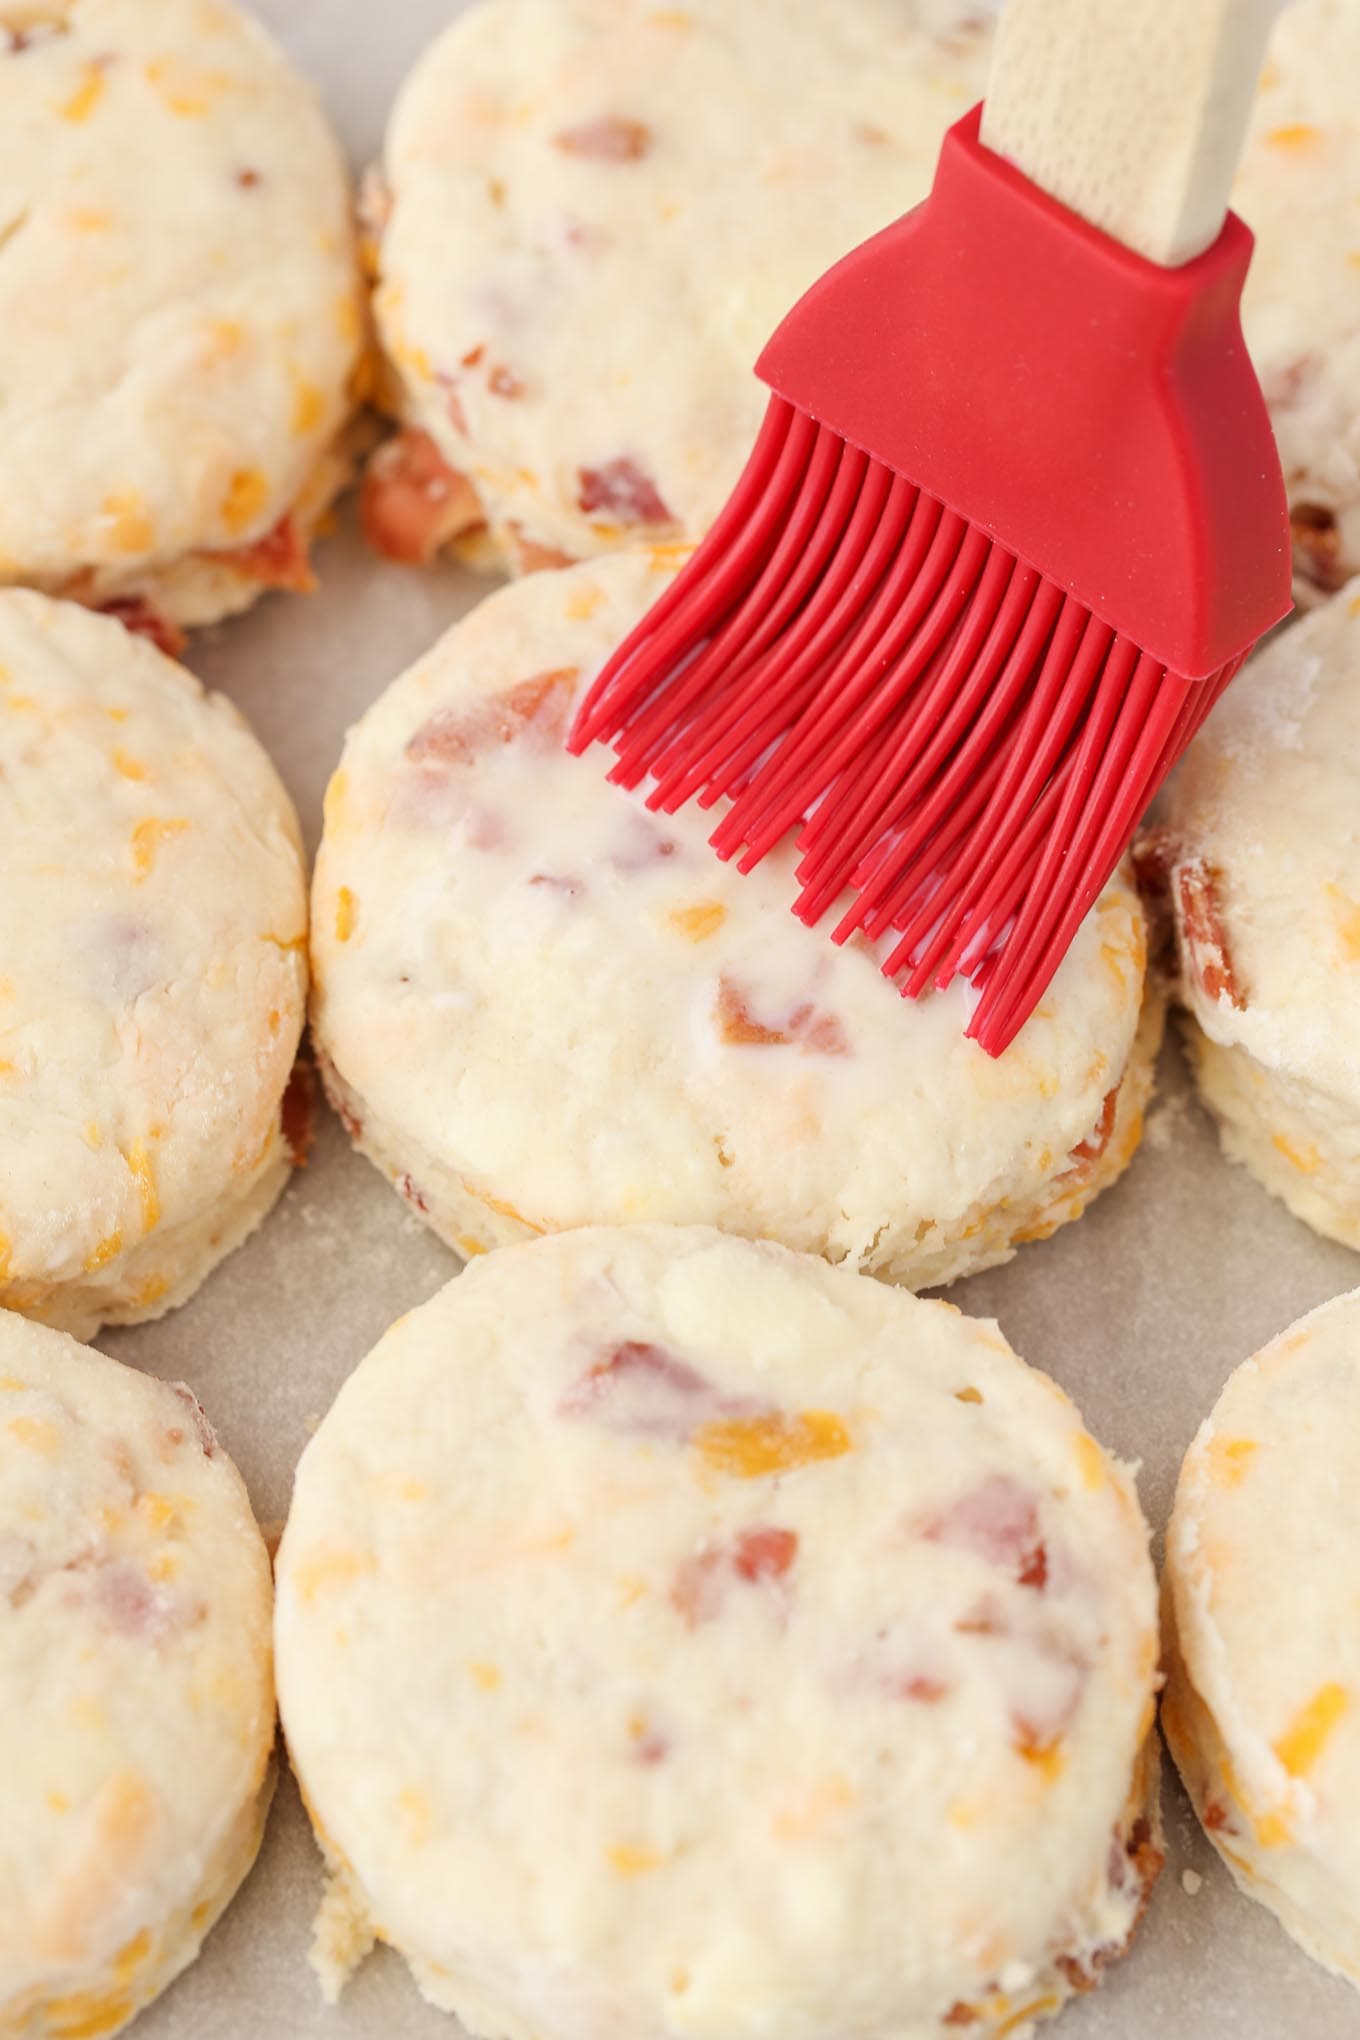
(1132, 112)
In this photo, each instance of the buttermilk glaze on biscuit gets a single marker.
(539, 1006)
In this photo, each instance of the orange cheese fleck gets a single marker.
(698, 922)
(487, 1677)
(223, 339)
(748, 1447)
(1035, 2009)
(1091, 1460)
(1308, 1734)
(583, 602)
(1295, 134)
(131, 524)
(334, 800)
(130, 1958)
(416, 1814)
(185, 92)
(160, 1511)
(633, 1862)
(1046, 1758)
(108, 1250)
(1305, 1158)
(246, 497)
(1345, 910)
(346, 914)
(1272, 1830)
(139, 1162)
(87, 2015)
(1228, 1460)
(147, 838)
(129, 767)
(806, 1814)
(309, 407)
(36, 1434)
(503, 1206)
(329, 1566)
(87, 94)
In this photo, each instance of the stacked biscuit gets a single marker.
(772, 1650)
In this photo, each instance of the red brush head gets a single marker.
(1095, 413)
(1014, 520)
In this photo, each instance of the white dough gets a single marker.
(539, 1006)
(136, 1693)
(179, 306)
(153, 974)
(1262, 1710)
(600, 210)
(679, 1637)
(1263, 851)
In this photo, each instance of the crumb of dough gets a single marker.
(342, 1935)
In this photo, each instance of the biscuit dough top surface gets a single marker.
(152, 937)
(1264, 806)
(178, 306)
(677, 1634)
(604, 207)
(136, 1702)
(574, 1006)
(580, 190)
(1264, 1548)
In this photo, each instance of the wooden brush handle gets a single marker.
(1131, 112)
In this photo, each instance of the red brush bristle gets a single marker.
(959, 744)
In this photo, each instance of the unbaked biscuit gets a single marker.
(153, 972)
(593, 213)
(180, 311)
(1259, 850)
(539, 1006)
(590, 219)
(679, 1636)
(136, 1692)
(1262, 1709)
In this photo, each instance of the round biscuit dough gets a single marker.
(180, 310)
(677, 1636)
(1260, 841)
(1262, 1709)
(593, 213)
(153, 974)
(136, 1691)
(538, 1006)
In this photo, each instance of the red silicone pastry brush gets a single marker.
(1013, 521)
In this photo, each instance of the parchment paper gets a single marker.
(1141, 1310)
